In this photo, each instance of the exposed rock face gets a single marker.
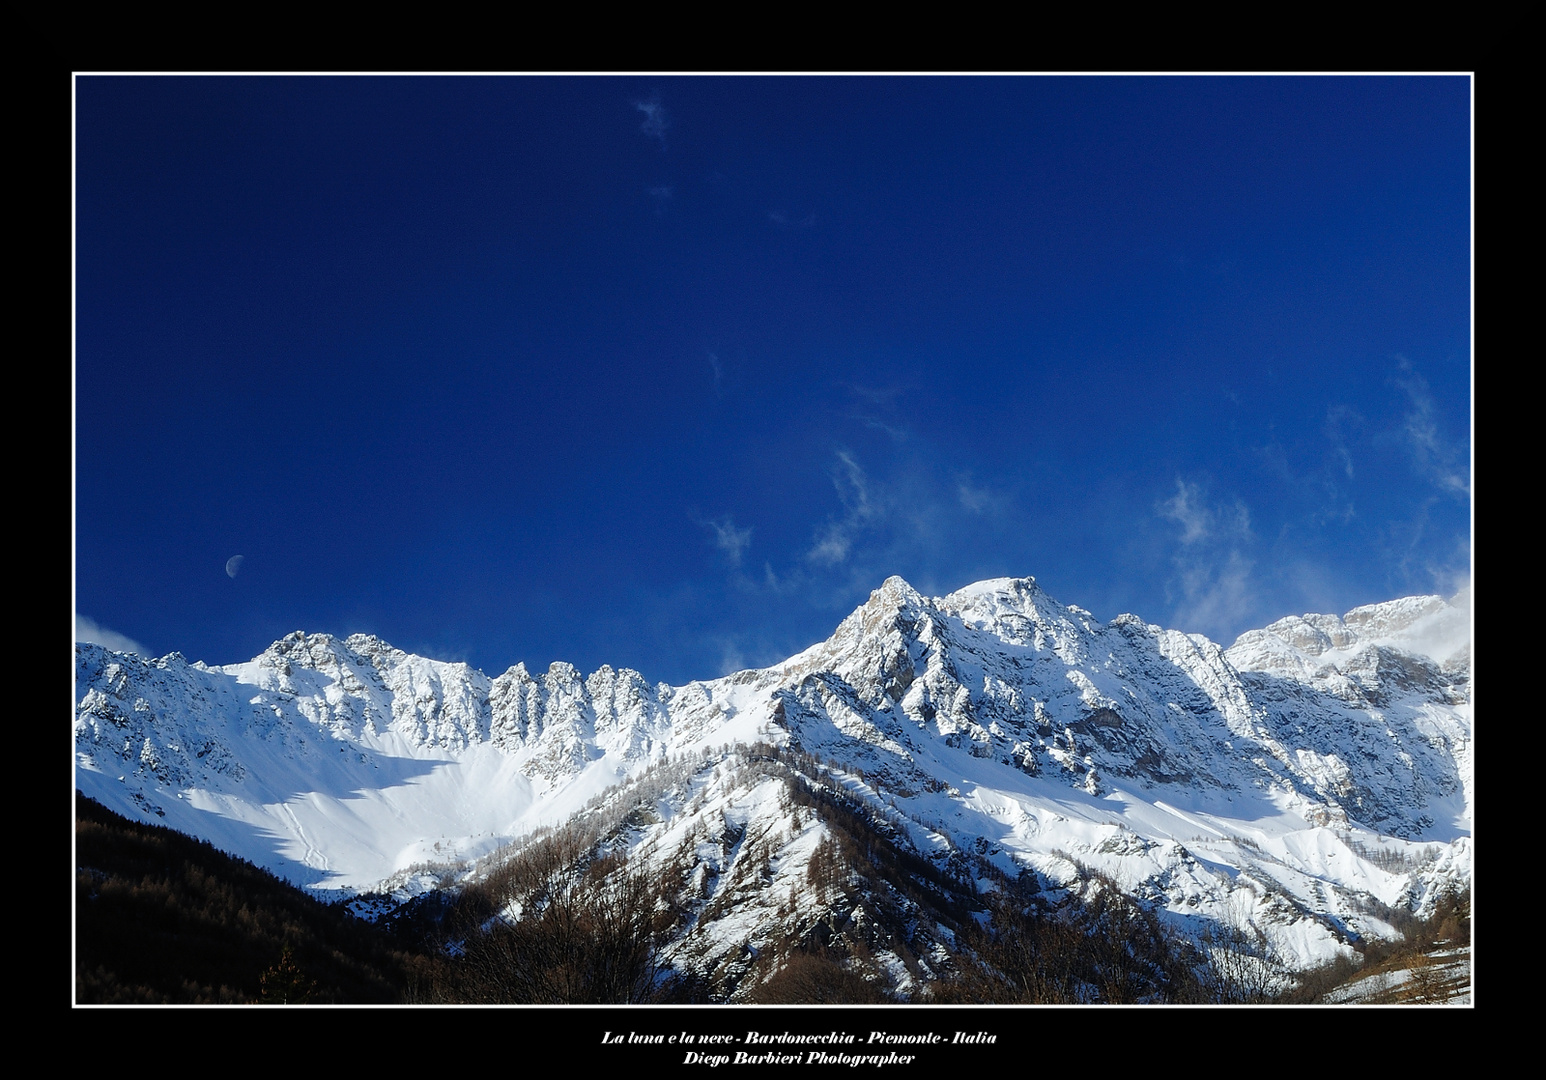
(999, 719)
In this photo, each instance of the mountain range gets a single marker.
(1296, 790)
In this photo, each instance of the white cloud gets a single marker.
(853, 487)
(897, 433)
(1461, 597)
(655, 119)
(1433, 456)
(878, 409)
(1212, 588)
(974, 499)
(836, 540)
(731, 659)
(1338, 419)
(729, 539)
(1452, 576)
(977, 498)
(1216, 594)
(1187, 509)
(833, 547)
(1199, 521)
(884, 397)
(86, 629)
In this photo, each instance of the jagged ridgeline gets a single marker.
(853, 819)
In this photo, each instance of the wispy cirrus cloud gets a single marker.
(882, 397)
(1211, 589)
(731, 658)
(1317, 474)
(861, 511)
(1340, 421)
(1217, 593)
(979, 498)
(729, 539)
(656, 119)
(1340, 428)
(1433, 455)
(1199, 521)
(879, 409)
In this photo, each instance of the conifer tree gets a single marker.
(285, 983)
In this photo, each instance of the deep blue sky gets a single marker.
(669, 373)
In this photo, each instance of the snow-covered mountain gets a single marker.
(1291, 787)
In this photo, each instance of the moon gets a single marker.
(233, 564)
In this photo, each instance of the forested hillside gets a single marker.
(163, 918)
